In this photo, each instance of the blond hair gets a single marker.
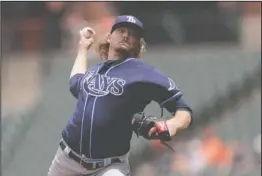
(102, 48)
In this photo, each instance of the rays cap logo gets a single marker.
(128, 21)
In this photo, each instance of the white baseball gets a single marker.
(88, 32)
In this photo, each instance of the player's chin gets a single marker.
(123, 49)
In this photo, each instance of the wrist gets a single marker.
(82, 49)
(173, 127)
(174, 124)
(181, 120)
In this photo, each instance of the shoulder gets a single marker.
(153, 75)
(91, 70)
(94, 67)
(149, 69)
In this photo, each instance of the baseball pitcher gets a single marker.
(111, 97)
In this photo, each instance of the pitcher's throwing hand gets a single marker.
(86, 37)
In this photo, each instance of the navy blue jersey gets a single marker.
(107, 97)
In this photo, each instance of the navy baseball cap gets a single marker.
(128, 20)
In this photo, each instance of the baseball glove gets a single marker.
(142, 124)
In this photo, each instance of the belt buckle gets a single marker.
(84, 158)
(100, 164)
(95, 162)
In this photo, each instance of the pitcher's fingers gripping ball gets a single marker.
(87, 37)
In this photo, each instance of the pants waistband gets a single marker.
(88, 163)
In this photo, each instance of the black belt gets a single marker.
(88, 166)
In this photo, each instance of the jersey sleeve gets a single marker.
(75, 80)
(74, 84)
(164, 91)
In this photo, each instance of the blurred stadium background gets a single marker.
(211, 49)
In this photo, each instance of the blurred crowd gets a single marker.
(205, 155)
(44, 26)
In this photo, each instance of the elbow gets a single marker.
(74, 83)
(73, 88)
(73, 91)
